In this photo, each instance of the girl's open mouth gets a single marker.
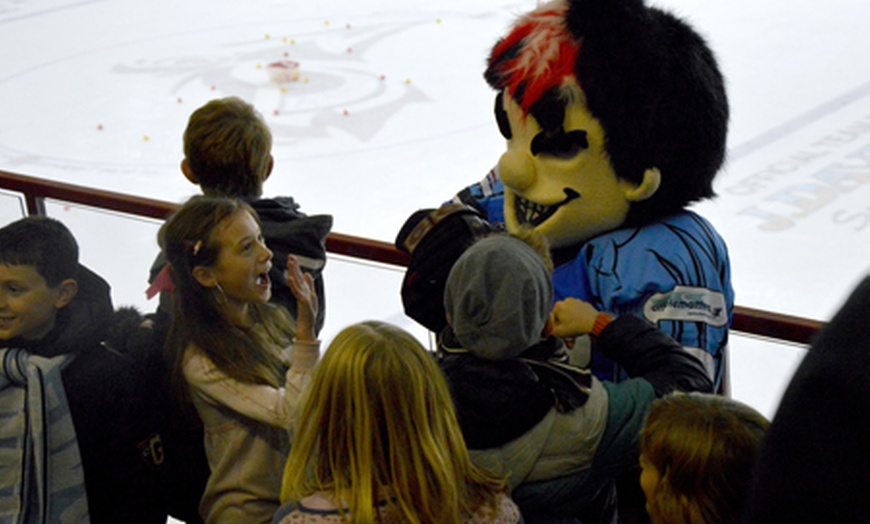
(263, 280)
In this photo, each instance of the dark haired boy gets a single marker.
(83, 420)
(228, 152)
(38, 266)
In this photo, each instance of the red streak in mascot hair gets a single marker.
(546, 58)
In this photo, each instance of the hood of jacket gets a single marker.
(289, 231)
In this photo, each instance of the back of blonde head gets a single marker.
(704, 448)
(378, 425)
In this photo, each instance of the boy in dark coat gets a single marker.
(85, 421)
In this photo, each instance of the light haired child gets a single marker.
(378, 441)
(239, 359)
(228, 152)
(227, 149)
(697, 456)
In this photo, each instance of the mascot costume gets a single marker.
(615, 116)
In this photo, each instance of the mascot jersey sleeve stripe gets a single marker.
(486, 195)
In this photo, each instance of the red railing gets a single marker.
(35, 190)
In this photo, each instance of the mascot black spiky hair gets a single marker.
(615, 116)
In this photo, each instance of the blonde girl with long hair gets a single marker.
(698, 451)
(378, 441)
(239, 360)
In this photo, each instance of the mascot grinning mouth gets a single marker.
(534, 214)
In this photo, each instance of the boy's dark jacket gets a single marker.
(140, 463)
(289, 231)
(498, 401)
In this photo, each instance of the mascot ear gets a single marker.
(652, 179)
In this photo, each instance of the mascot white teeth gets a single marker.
(615, 116)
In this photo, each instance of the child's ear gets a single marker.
(205, 276)
(66, 291)
(188, 172)
(269, 169)
(652, 179)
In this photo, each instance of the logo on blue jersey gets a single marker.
(691, 304)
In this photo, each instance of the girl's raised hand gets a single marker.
(573, 317)
(302, 286)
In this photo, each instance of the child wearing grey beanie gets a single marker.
(557, 433)
(494, 317)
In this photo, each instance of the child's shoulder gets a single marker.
(313, 508)
(506, 512)
(277, 208)
(281, 217)
(195, 363)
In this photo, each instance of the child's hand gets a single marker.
(302, 286)
(572, 317)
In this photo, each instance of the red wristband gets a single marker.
(601, 322)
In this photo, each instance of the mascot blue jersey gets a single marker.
(673, 272)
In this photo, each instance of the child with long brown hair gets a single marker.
(697, 455)
(240, 360)
(378, 441)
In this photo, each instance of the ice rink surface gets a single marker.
(391, 114)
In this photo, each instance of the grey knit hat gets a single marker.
(498, 297)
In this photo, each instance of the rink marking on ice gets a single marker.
(797, 123)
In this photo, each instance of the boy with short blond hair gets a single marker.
(228, 149)
(228, 152)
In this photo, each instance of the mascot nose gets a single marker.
(517, 170)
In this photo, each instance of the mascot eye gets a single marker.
(561, 144)
(504, 125)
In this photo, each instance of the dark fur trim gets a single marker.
(654, 85)
(128, 337)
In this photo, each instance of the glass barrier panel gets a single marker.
(118, 247)
(357, 290)
(760, 370)
(121, 248)
(12, 207)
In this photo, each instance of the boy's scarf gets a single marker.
(41, 477)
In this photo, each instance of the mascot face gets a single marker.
(589, 89)
(560, 182)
